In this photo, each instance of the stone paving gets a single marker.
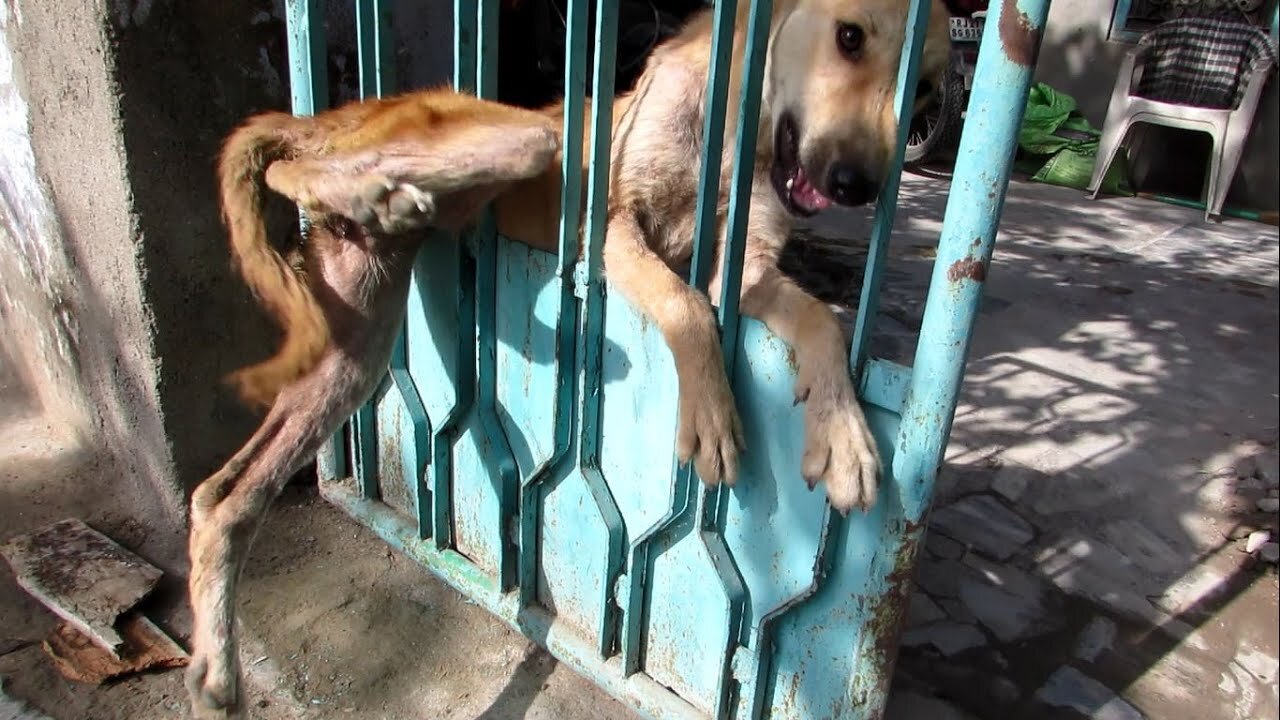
(1102, 540)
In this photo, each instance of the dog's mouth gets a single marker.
(792, 184)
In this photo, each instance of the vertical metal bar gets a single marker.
(372, 25)
(877, 256)
(417, 411)
(593, 313)
(684, 498)
(575, 88)
(442, 441)
(446, 432)
(309, 91)
(377, 79)
(713, 506)
(376, 47)
(486, 298)
(705, 228)
(743, 173)
(366, 455)
(1003, 76)
(1118, 30)
(487, 49)
(575, 62)
(308, 74)
(464, 45)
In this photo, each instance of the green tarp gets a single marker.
(1064, 145)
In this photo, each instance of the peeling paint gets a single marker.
(1020, 38)
(889, 611)
(967, 267)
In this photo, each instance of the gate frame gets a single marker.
(924, 395)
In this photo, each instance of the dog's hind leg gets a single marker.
(710, 431)
(392, 188)
(360, 280)
(229, 507)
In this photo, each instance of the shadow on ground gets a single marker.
(1116, 432)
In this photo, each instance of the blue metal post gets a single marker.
(373, 43)
(743, 174)
(446, 432)
(376, 46)
(903, 106)
(593, 300)
(309, 91)
(713, 502)
(464, 45)
(706, 228)
(678, 521)
(505, 473)
(1006, 60)
(575, 74)
(308, 74)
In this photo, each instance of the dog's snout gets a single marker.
(852, 185)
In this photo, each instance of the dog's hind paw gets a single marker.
(392, 208)
(840, 451)
(214, 696)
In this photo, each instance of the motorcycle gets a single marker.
(941, 109)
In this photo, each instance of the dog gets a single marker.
(372, 175)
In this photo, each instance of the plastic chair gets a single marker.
(1194, 74)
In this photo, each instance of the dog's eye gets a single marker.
(850, 38)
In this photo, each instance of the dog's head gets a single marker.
(833, 69)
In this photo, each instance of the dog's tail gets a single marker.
(245, 156)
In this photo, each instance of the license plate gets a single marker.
(966, 29)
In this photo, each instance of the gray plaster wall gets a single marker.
(119, 310)
(1077, 59)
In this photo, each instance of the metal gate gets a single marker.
(521, 444)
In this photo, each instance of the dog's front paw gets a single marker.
(840, 451)
(393, 208)
(710, 432)
(215, 694)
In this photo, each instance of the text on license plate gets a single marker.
(966, 29)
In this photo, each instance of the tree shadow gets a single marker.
(1118, 401)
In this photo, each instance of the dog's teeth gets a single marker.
(791, 183)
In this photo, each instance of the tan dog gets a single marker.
(826, 135)
(369, 172)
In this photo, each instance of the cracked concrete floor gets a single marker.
(1116, 432)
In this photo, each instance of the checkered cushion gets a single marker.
(1201, 62)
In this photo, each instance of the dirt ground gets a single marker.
(338, 626)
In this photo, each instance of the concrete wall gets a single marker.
(119, 309)
(1077, 59)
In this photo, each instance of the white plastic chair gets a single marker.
(1194, 74)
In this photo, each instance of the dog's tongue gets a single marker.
(804, 194)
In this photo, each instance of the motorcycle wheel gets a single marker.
(938, 124)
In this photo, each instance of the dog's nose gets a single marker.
(851, 185)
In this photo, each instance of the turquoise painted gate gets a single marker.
(521, 446)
